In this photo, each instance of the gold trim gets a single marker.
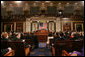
(82, 28)
(80, 24)
(72, 21)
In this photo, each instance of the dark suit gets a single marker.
(26, 44)
(4, 51)
(6, 39)
(55, 38)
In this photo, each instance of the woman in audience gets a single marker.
(61, 35)
(4, 51)
(5, 36)
(77, 53)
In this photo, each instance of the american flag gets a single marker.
(43, 26)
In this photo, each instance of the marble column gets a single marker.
(71, 26)
(62, 25)
(37, 25)
(58, 25)
(14, 26)
(28, 25)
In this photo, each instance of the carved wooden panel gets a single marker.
(8, 27)
(19, 27)
(67, 26)
(78, 26)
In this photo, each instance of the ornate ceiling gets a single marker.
(60, 5)
(46, 2)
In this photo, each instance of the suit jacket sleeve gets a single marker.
(4, 51)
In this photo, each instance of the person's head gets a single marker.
(73, 34)
(18, 35)
(50, 34)
(57, 34)
(5, 35)
(9, 34)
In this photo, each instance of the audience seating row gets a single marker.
(17, 46)
(67, 45)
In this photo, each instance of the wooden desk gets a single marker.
(42, 35)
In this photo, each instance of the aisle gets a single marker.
(41, 52)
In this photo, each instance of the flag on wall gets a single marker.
(43, 26)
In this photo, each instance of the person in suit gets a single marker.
(55, 38)
(35, 40)
(4, 51)
(18, 38)
(5, 36)
(61, 35)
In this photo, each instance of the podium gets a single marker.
(42, 35)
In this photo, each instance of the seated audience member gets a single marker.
(82, 35)
(22, 35)
(76, 36)
(18, 38)
(35, 40)
(4, 51)
(5, 36)
(77, 53)
(61, 35)
(66, 35)
(70, 36)
(56, 38)
(10, 35)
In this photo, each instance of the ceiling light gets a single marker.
(67, 3)
(59, 3)
(60, 12)
(83, 3)
(76, 3)
(47, 1)
(36, 1)
(18, 1)
(1, 2)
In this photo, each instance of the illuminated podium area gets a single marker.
(42, 37)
